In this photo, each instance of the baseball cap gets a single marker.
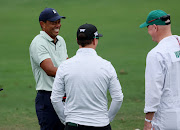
(89, 30)
(157, 17)
(50, 14)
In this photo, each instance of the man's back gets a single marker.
(87, 78)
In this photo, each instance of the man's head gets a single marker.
(87, 34)
(158, 24)
(50, 21)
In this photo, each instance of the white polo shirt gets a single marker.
(162, 83)
(85, 78)
(41, 48)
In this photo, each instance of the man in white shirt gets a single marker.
(162, 75)
(85, 78)
(47, 51)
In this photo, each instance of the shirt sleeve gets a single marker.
(154, 80)
(115, 87)
(116, 94)
(114, 108)
(39, 53)
(58, 93)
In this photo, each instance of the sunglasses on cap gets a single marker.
(163, 18)
(96, 37)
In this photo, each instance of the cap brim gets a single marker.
(56, 18)
(100, 35)
(143, 25)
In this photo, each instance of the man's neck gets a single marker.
(54, 38)
(55, 41)
(163, 32)
(164, 36)
(88, 46)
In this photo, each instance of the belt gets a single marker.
(43, 91)
(77, 125)
(72, 124)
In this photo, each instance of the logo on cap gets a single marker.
(54, 11)
(82, 30)
(167, 21)
(96, 33)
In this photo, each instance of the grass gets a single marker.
(124, 44)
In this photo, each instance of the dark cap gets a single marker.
(89, 30)
(50, 14)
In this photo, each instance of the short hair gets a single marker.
(84, 41)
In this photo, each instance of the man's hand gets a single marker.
(148, 126)
(147, 123)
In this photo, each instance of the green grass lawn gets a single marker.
(123, 43)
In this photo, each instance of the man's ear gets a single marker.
(94, 41)
(42, 24)
(155, 27)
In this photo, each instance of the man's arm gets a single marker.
(58, 93)
(41, 57)
(48, 67)
(59, 108)
(154, 80)
(114, 108)
(148, 118)
(116, 94)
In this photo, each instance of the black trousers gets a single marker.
(48, 119)
(82, 127)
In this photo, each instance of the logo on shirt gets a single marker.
(177, 53)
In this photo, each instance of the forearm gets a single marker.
(148, 118)
(114, 108)
(48, 66)
(51, 72)
(59, 108)
(57, 95)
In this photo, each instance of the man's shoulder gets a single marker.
(38, 37)
(98, 59)
(70, 60)
(165, 45)
(60, 38)
(160, 48)
(38, 43)
(103, 60)
(38, 40)
(155, 51)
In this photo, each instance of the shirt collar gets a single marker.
(56, 40)
(86, 51)
(172, 37)
(45, 35)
